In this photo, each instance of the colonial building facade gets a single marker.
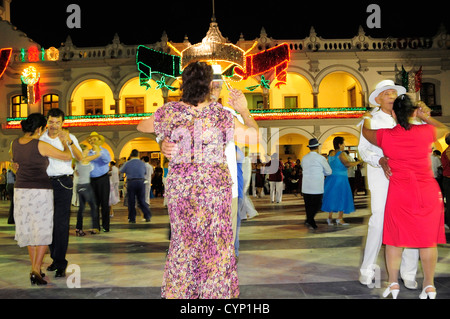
(328, 84)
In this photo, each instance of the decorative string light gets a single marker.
(264, 84)
(5, 56)
(215, 49)
(52, 54)
(259, 115)
(30, 77)
(275, 58)
(150, 61)
(33, 54)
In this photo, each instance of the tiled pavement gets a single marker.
(279, 258)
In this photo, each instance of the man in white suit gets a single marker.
(378, 173)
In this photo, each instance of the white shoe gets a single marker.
(410, 284)
(338, 222)
(330, 222)
(428, 295)
(389, 291)
(366, 279)
(253, 216)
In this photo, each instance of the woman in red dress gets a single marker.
(414, 213)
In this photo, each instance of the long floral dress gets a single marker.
(201, 261)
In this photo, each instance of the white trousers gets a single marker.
(378, 185)
(276, 191)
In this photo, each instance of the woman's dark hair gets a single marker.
(338, 140)
(404, 108)
(33, 122)
(196, 81)
(447, 139)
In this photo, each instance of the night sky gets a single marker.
(143, 22)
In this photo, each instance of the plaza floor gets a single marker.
(279, 258)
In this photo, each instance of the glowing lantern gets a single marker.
(30, 77)
(52, 54)
(33, 54)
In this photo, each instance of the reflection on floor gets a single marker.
(279, 258)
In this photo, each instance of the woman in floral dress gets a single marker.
(201, 261)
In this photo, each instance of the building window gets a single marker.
(428, 94)
(134, 105)
(51, 101)
(19, 105)
(290, 102)
(93, 106)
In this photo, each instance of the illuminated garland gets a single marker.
(264, 84)
(275, 58)
(162, 84)
(30, 78)
(5, 56)
(307, 114)
(150, 61)
(259, 115)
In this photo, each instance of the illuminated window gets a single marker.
(290, 102)
(19, 104)
(93, 106)
(51, 101)
(134, 105)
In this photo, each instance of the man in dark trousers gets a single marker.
(135, 172)
(61, 174)
(100, 178)
(315, 168)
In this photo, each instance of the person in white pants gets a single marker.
(384, 96)
(275, 170)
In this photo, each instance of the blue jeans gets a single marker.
(136, 190)
(86, 195)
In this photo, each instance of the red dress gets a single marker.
(414, 213)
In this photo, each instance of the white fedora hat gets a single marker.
(383, 86)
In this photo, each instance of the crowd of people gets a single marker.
(207, 189)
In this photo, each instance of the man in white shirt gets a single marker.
(315, 167)
(377, 176)
(60, 172)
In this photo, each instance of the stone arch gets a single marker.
(123, 82)
(337, 129)
(302, 72)
(351, 130)
(299, 84)
(78, 81)
(277, 134)
(343, 68)
(129, 137)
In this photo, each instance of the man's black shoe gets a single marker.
(60, 273)
(52, 267)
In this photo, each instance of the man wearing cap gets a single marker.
(315, 167)
(60, 173)
(378, 173)
(100, 178)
